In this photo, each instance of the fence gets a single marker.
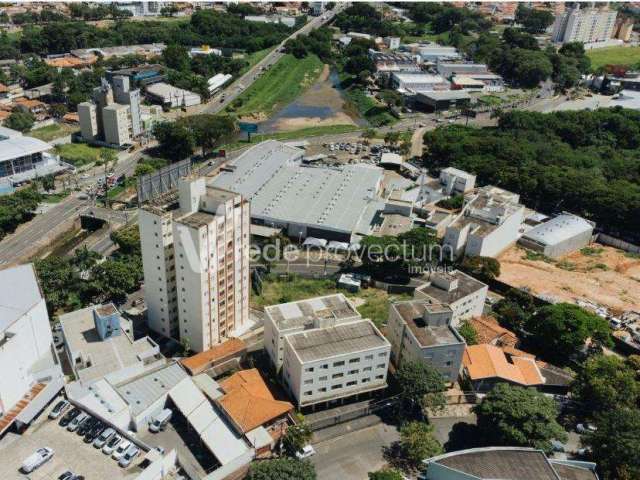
(345, 413)
(617, 243)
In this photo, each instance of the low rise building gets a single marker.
(488, 223)
(450, 69)
(433, 53)
(325, 349)
(417, 82)
(559, 236)
(31, 372)
(508, 463)
(455, 181)
(420, 331)
(462, 293)
(171, 96)
(229, 351)
(394, 62)
(442, 100)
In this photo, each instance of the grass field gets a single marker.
(254, 58)
(614, 56)
(293, 135)
(368, 108)
(371, 303)
(78, 154)
(281, 84)
(50, 132)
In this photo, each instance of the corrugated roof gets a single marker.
(20, 146)
(23, 295)
(558, 229)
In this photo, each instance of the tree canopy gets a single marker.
(517, 416)
(281, 469)
(417, 442)
(420, 386)
(533, 20)
(385, 474)
(17, 208)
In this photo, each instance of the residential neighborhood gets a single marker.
(319, 240)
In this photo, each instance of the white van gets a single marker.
(160, 421)
(36, 459)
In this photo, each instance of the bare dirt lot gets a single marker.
(601, 274)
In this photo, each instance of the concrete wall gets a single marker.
(470, 306)
(499, 239)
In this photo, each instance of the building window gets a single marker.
(337, 375)
(308, 382)
(351, 383)
(354, 360)
(336, 386)
(323, 378)
(353, 372)
(365, 380)
(382, 355)
(367, 369)
(368, 357)
(308, 393)
(338, 364)
(379, 377)
(308, 369)
(322, 390)
(380, 365)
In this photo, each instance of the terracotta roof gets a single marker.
(71, 117)
(70, 62)
(489, 361)
(4, 114)
(28, 103)
(204, 360)
(490, 331)
(249, 402)
(3, 88)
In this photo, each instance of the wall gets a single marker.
(158, 469)
(616, 242)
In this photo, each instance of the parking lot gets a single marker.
(71, 453)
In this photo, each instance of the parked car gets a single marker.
(94, 432)
(306, 452)
(85, 426)
(160, 421)
(121, 449)
(77, 422)
(111, 445)
(70, 415)
(37, 459)
(68, 475)
(129, 455)
(104, 437)
(585, 428)
(60, 407)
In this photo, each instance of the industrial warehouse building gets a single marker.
(334, 203)
(559, 236)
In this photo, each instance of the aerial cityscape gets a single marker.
(319, 240)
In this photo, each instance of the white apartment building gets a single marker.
(585, 25)
(420, 331)
(87, 113)
(488, 223)
(116, 119)
(195, 256)
(464, 295)
(27, 356)
(325, 350)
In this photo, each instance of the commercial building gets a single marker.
(325, 349)
(488, 223)
(23, 158)
(31, 372)
(416, 82)
(449, 69)
(393, 62)
(584, 25)
(442, 100)
(559, 236)
(195, 254)
(113, 116)
(218, 81)
(278, 19)
(171, 96)
(420, 331)
(434, 53)
(508, 463)
(305, 200)
(463, 294)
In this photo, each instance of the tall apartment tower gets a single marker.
(88, 120)
(123, 94)
(585, 25)
(196, 264)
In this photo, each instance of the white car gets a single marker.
(75, 423)
(306, 452)
(129, 455)
(585, 428)
(120, 451)
(36, 459)
(60, 407)
(111, 445)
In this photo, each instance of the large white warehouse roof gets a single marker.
(559, 229)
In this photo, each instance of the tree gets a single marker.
(113, 279)
(369, 134)
(615, 445)
(386, 474)
(58, 110)
(48, 183)
(606, 383)
(533, 20)
(392, 138)
(210, 130)
(281, 469)
(128, 240)
(56, 277)
(296, 437)
(468, 333)
(175, 139)
(517, 416)
(20, 120)
(421, 386)
(484, 268)
(417, 442)
(561, 331)
(176, 57)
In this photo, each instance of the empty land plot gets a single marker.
(604, 275)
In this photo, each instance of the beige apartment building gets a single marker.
(117, 124)
(195, 255)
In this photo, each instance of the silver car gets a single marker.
(103, 438)
(111, 445)
(76, 422)
(36, 459)
(129, 455)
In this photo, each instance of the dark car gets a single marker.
(92, 434)
(87, 425)
(70, 415)
(68, 475)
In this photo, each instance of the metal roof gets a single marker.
(15, 146)
(280, 188)
(559, 229)
(23, 295)
(343, 339)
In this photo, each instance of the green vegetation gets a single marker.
(417, 442)
(254, 58)
(55, 197)
(293, 135)
(78, 154)
(275, 290)
(376, 113)
(376, 304)
(420, 386)
(281, 84)
(468, 333)
(17, 208)
(281, 469)
(601, 57)
(591, 251)
(452, 203)
(584, 160)
(518, 417)
(483, 268)
(21, 120)
(386, 474)
(51, 132)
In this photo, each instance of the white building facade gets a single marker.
(196, 263)
(584, 25)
